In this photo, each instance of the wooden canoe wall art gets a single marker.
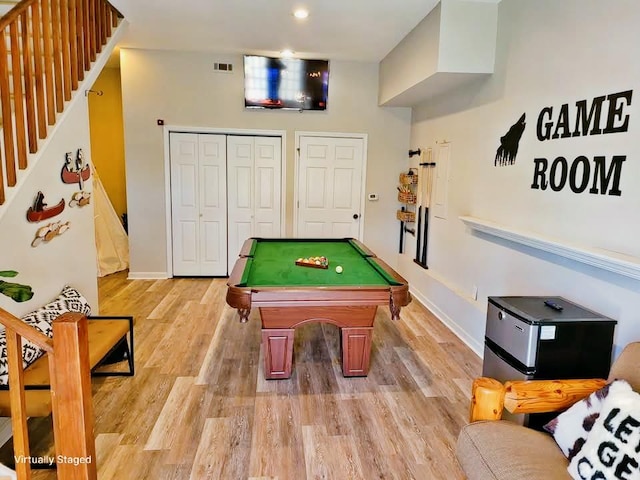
(41, 211)
(38, 212)
(74, 171)
(77, 171)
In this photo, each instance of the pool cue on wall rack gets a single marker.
(418, 230)
(426, 175)
(427, 204)
(400, 248)
(418, 204)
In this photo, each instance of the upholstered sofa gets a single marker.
(498, 449)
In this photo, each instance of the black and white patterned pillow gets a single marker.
(611, 451)
(571, 428)
(69, 300)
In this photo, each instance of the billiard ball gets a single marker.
(338, 269)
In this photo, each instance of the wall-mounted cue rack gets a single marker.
(421, 181)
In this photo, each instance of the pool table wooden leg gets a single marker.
(277, 347)
(356, 350)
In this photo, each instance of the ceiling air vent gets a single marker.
(223, 67)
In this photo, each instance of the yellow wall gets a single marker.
(107, 137)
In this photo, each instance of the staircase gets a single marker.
(49, 46)
(48, 50)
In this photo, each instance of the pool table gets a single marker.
(289, 295)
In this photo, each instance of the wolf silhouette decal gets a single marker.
(508, 149)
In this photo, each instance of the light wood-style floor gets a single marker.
(199, 407)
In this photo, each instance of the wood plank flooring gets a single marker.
(199, 407)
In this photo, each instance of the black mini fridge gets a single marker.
(544, 338)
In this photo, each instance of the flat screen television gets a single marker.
(285, 83)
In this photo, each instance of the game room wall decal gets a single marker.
(603, 179)
(600, 174)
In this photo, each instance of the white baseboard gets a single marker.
(147, 275)
(473, 344)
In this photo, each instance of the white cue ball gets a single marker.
(338, 269)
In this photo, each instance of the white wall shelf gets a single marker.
(619, 263)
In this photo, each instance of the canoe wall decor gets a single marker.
(39, 211)
(75, 170)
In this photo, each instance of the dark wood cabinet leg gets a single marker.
(356, 350)
(277, 345)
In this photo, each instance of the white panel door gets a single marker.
(213, 204)
(240, 193)
(184, 203)
(329, 186)
(267, 180)
(254, 190)
(198, 204)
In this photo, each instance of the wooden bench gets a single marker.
(107, 336)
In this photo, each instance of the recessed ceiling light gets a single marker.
(301, 13)
(287, 53)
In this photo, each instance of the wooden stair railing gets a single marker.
(72, 408)
(47, 47)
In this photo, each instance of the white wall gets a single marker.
(549, 53)
(467, 36)
(69, 258)
(182, 89)
(413, 59)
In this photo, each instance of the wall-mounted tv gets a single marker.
(285, 83)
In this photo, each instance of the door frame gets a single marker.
(168, 129)
(363, 181)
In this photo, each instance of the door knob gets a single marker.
(355, 216)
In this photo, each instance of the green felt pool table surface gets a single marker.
(272, 262)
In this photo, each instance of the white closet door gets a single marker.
(213, 205)
(240, 193)
(254, 190)
(198, 204)
(267, 175)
